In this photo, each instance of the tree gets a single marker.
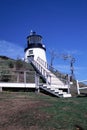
(11, 64)
(53, 55)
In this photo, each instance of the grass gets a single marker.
(67, 113)
(31, 111)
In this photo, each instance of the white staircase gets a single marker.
(53, 84)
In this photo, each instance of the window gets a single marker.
(30, 52)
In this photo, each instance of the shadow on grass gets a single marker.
(82, 95)
(78, 127)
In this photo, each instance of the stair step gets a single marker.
(67, 95)
(44, 86)
(48, 86)
(57, 86)
(64, 92)
(60, 86)
(56, 90)
(60, 92)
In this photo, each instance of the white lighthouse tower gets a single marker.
(35, 48)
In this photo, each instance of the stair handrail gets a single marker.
(53, 70)
(41, 61)
(44, 67)
(43, 71)
(47, 73)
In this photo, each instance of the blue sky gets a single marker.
(62, 23)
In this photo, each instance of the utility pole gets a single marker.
(72, 61)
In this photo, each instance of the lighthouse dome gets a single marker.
(35, 48)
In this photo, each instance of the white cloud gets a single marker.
(63, 68)
(11, 50)
(81, 68)
(73, 52)
(79, 72)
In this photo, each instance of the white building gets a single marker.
(35, 48)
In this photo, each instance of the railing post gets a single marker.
(37, 82)
(68, 84)
(47, 79)
(50, 79)
(25, 78)
(17, 77)
(0, 89)
(41, 70)
(78, 91)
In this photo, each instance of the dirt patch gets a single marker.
(22, 114)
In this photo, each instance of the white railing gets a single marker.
(44, 63)
(47, 74)
(43, 70)
(20, 79)
(43, 67)
(82, 86)
(53, 70)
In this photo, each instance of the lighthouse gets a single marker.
(35, 48)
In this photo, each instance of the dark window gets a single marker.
(30, 52)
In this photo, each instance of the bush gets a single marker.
(19, 64)
(10, 64)
(5, 76)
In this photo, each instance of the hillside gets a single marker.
(9, 68)
(6, 62)
(13, 71)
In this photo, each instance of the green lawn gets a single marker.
(31, 111)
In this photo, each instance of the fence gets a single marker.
(19, 79)
(17, 76)
(81, 85)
